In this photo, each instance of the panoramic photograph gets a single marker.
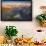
(13, 10)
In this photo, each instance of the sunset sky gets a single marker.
(15, 4)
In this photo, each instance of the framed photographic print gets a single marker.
(16, 10)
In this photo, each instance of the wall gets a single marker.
(29, 27)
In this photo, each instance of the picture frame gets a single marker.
(14, 10)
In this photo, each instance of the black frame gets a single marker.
(16, 20)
